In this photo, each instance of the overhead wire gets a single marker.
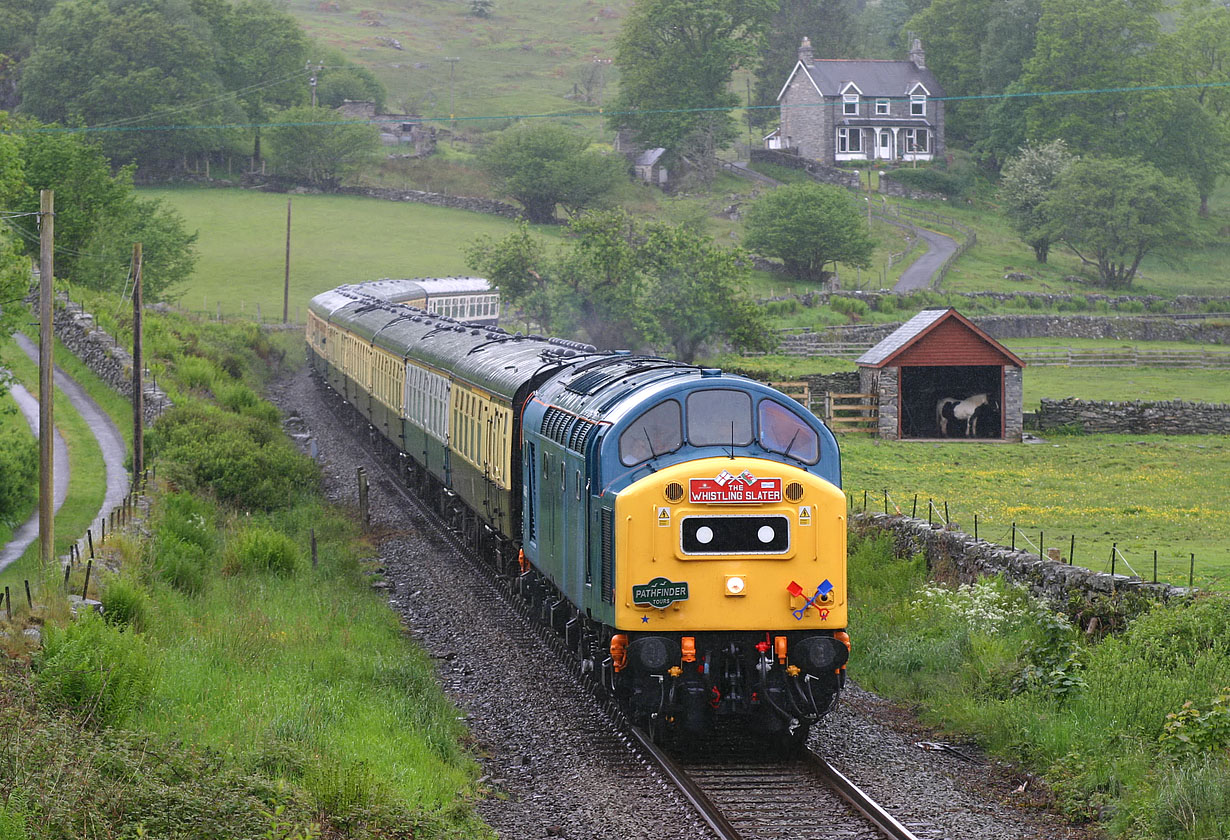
(598, 112)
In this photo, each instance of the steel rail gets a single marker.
(697, 798)
(859, 800)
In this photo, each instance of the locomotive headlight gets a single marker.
(735, 584)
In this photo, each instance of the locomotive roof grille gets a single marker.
(580, 434)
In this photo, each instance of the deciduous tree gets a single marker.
(543, 165)
(619, 284)
(318, 147)
(675, 60)
(1028, 181)
(1113, 212)
(808, 225)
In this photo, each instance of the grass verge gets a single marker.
(1128, 730)
(248, 691)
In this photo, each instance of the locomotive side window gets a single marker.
(781, 430)
(719, 417)
(656, 432)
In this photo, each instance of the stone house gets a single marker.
(837, 110)
(405, 131)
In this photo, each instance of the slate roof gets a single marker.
(918, 326)
(900, 337)
(649, 157)
(872, 77)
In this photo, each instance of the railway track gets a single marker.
(744, 792)
(740, 789)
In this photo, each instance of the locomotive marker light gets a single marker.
(735, 585)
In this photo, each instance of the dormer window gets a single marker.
(918, 105)
(881, 107)
(849, 104)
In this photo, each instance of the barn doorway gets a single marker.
(922, 387)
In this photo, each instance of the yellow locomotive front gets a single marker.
(732, 596)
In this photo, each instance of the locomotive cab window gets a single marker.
(719, 417)
(656, 432)
(781, 430)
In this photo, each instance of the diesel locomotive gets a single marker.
(682, 528)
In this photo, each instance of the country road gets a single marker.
(110, 441)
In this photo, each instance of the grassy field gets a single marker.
(334, 240)
(523, 59)
(1141, 492)
(999, 252)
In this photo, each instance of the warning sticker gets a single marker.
(804, 515)
(664, 517)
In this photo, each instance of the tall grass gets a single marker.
(309, 678)
(1091, 721)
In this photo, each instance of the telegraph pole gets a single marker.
(452, 114)
(286, 280)
(138, 393)
(46, 392)
(312, 79)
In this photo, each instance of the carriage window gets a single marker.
(781, 430)
(719, 418)
(656, 432)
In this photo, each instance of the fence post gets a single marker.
(1014, 536)
(1113, 551)
(1041, 542)
(886, 501)
(975, 527)
(914, 510)
(1155, 565)
(1072, 551)
(1191, 572)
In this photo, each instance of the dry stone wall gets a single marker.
(971, 559)
(1170, 417)
(99, 351)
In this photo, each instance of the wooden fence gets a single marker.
(1127, 357)
(852, 412)
(795, 343)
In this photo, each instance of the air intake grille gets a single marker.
(580, 434)
(608, 556)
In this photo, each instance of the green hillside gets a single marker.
(524, 58)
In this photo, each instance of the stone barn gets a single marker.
(940, 355)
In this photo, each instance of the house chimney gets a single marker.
(805, 51)
(916, 55)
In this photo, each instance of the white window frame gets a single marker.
(843, 138)
(918, 105)
(911, 141)
(882, 108)
(849, 104)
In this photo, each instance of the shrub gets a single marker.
(239, 398)
(262, 550)
(94, 670)
(125, 602)
(18, 471)
(935, 180)
(188, 517)
(195, 372)
(848, 305)
(245, 462)
(180, 563)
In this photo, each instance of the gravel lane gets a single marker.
(543, 743)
